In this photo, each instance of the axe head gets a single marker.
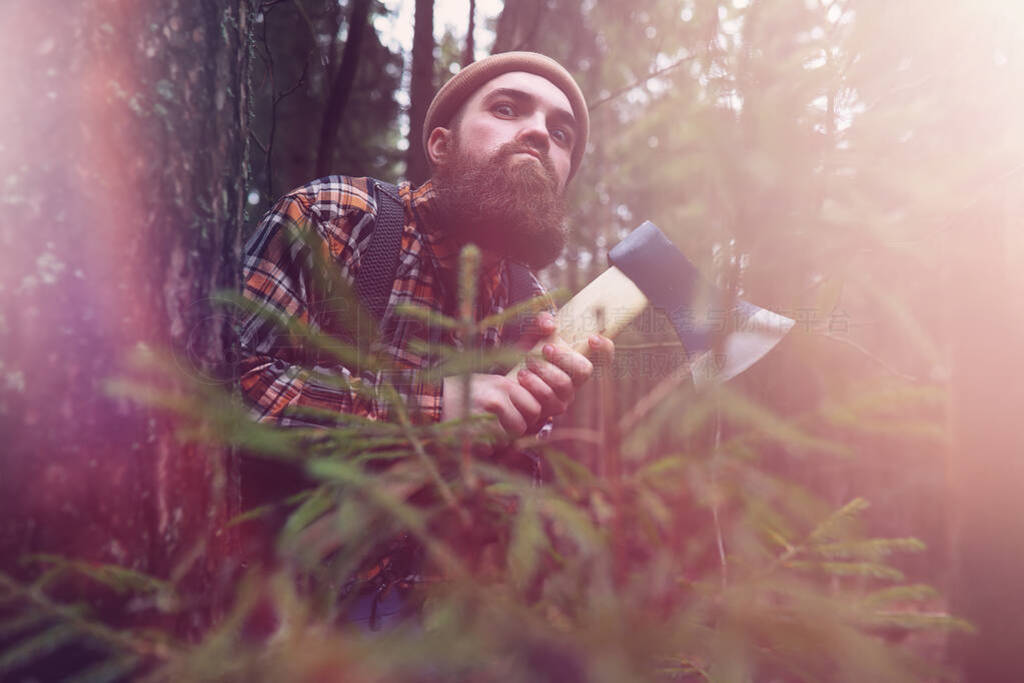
(696, 308)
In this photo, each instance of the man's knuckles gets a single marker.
(554, 379)
(487, 393)
(513, 424)
(577, 366)
(539, 327)
(602, 349)
(514, 406)
(526, 403)
(548, 396)
(491, 402)
(545, 323)
(584, 370)
(537, 386)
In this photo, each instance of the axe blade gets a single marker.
(670, 282)
(757, 331)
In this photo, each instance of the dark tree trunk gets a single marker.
(518, 25)
(128, 176)
(341, 88)
(421, 90)
(469, 54)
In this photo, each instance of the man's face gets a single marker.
(523, 109)
(502, 168)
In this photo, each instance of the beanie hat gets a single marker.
(462, 85)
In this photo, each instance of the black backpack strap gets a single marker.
(522, 286)
(377, 267)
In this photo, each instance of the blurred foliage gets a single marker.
(821, 156)
(584, 578)
(831, 160)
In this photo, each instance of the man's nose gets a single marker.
(535, 133)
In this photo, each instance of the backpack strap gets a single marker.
(522, 286)
(377, 267)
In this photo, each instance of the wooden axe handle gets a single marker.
(605, 306)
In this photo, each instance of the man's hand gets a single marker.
(514, 406)
(554, 379)
(544, 389)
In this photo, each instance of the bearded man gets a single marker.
(504, 137)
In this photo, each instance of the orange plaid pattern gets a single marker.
(329, 222)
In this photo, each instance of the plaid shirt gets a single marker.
(334, 216)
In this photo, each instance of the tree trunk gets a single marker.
(469, 53)
(518, 26)
(341, 88)
(421, 90)
(125, 193)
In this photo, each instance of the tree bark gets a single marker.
(421, 90)
(341, 88)
(469, 54)
(126, 191)
(518, 26)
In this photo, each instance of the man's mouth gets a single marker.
(530, 152)
(545, 163)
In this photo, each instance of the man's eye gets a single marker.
(561, 136)
(504, 109)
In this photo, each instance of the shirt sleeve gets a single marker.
(283, 380)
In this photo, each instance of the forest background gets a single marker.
(852, 164)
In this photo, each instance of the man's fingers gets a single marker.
(512, 422)
(549, 385)
(514, 406)
(500, 405)
(553, 377)
(602, 349)
(546, 322)
(542, 325)
(573, 364)
(527, 407)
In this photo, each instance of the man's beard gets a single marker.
(507, 206)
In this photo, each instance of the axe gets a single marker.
(647, 269)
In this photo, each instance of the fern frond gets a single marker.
(866, 569)
(835, 524)
(911, 593)
(869, 549)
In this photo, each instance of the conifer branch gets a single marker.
(641, 81)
